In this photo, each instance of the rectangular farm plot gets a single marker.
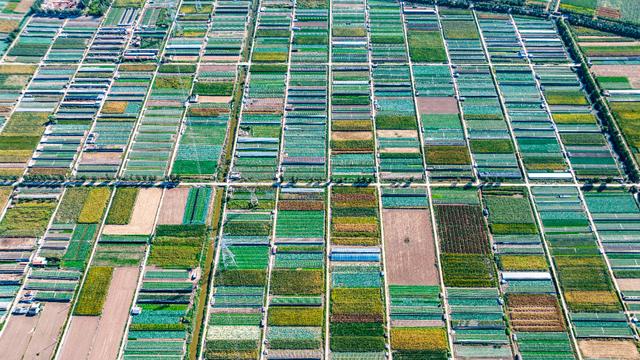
(102, 157)
(272, 35)
(167, 295)
(386, 33)
(409, 245)
(594, 306)
(296, 304)
(461, 36)
(305, 131)
(156, 135)
(357, 310)
(417, 327)
(349, 39)
(589, 152)
(311, 40)
(526, 282)
(235, 310)
(532, 126)
(352, 141)
(142, 217)
(468, 269)
(258, 139)
(25, 221)
(227, 35)
(423, 34)
(206, 121)
(489, 137)
(445, 148)
(615, 215)
(398, 143)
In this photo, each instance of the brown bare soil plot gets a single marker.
(34, 337)
(143, 216)
(79, 338)
(437, 105)
(351, 135)
(173, 206)
(534, 313)
(628, 284)
(98, 337)
(115, 313)
(609, 349)
(631, 72)
(409, 247)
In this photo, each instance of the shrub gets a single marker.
(419, 339)
(94, 206)
(175, 252)
(357, 343)
(122, 206)
(94, 291)
(213, 88)
(295, 316)
(395, 122)
(523, 262)
(246, 277)
(497, 146)
(297, 282)
(592, 301)
(468, 270)
(71, 205)
(426, 46)
(447, 155)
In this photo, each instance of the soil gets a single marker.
(143, 216)
(82, 331)
(99, 337)
(351, 135)
(628, 284)
(115, 313)
(34, 337)
(397, 133)
(409, 245)
(631, 72)
(437, 105)
(173, 206)
(608, 349)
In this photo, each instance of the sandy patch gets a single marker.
(608, 349)
(115, 313)
(23, 6)
(89, 158)
(34, 337)
(628, 284)
(173, 206)
(143, 216)
(409, 245)
(78, 341)
(214, 99)
(631, 72)
(610, 43)
(351, 135)
(398, 133)
(17, 243)
(217, 68)
(230, 58)
(399, 150)
(437, 105)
